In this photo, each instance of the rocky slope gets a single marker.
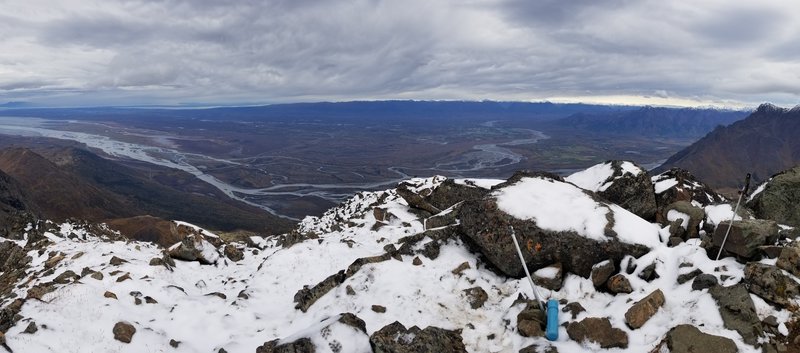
(425, 267)
(762, 144)
(76, 183)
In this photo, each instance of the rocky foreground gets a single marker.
(428, 267)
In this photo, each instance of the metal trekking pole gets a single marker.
(551, 326)
(733, 217)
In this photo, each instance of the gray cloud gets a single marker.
(173, 51)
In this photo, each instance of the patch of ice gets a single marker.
(628, 167)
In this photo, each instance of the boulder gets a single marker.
(123, 332)
(233, 253)
(486, 227)
(684, 209)
(395, 338)
(789, 259)
(619, 284)
(304, 342)
(771, 284)
(449, 193)
(779, 199)
(531, 321)
(689, 339)
(644, 309)
(704, 281)
(625, 184)
(601, 272)
(745, 237)
(195, 247)
(738, 311)
(598, 330)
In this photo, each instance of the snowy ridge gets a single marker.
(238, 306)
(601, 176)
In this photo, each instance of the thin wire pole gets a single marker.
(733, 217)
(524, 267)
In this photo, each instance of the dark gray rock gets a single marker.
(746, 236)
(771, 284)
(738, 311)
(395, 338)
(704, 281)
(688, 188)
(598, 330)
(686, 277)
(780, 200)
(689, 339)
(643, 310)
(573, 308)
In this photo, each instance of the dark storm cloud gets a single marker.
(172, 51)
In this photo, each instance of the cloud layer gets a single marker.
(111, 52)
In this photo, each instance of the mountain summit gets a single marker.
(762, 144)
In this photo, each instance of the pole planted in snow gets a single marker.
(735, 211)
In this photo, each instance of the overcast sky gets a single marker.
(133, 52)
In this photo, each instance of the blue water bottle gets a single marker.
(551, 331)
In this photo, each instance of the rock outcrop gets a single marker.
(621, 182)
(395, 338)
(779, 198)
(487, 227)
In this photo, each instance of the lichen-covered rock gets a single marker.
(789, 259)
(551, 277)
(771, 284)
(395, 338)
(745, 237)
(779, 198)
(689, 339)
(598, 330)
(738, 311)
(643, 310)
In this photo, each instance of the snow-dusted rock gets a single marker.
(778, 199)
(555, 222)
(340, 333)
(621, 182)
(689, 339)
(679, 185)
(395, 338)
(745, 237)
(772, 284)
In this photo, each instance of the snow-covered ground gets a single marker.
(78, 318)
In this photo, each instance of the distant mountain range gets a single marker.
(64, 182)
(764, 143)
(653, 121)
